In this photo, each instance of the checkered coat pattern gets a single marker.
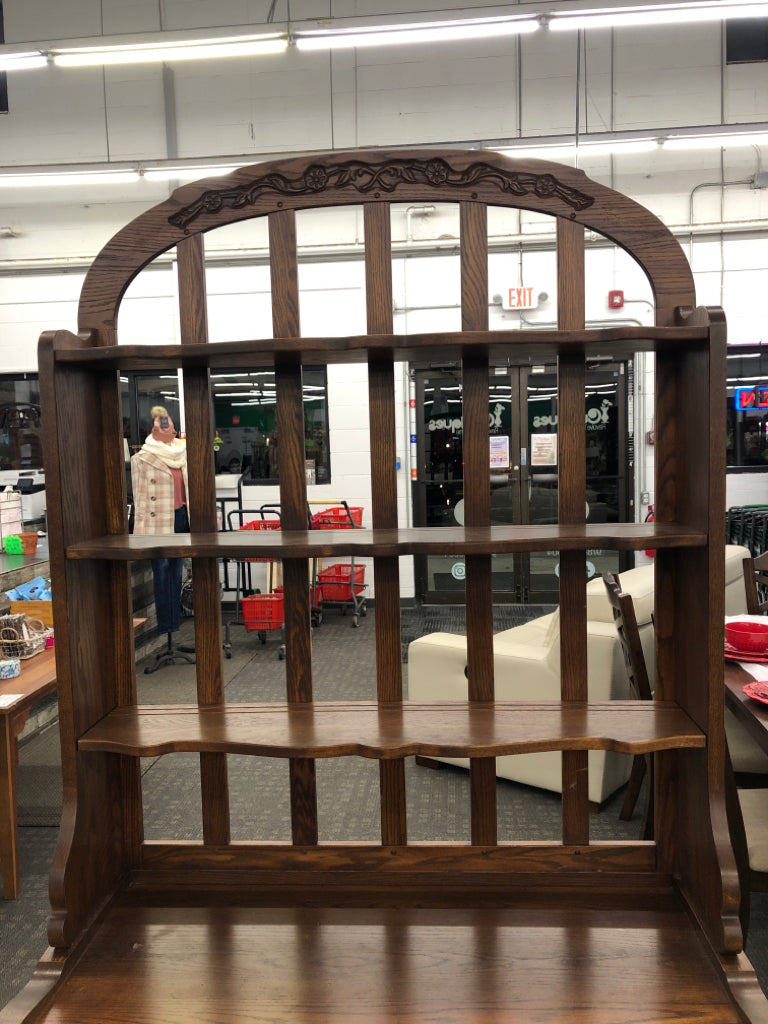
(152, 483)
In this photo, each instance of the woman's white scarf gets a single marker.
(174, 455)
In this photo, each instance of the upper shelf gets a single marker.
(390, 542)
(617, 341)
(388, 731)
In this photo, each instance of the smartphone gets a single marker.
(164, 422)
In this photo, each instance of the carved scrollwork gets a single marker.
(365, 178)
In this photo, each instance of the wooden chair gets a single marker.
(632, 649)
(756, 583)
(754, 811)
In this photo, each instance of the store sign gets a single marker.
(499, 448)
(752, 398)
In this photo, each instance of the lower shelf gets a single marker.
(586, 965)
(393, 730)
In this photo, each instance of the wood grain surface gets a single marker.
(383, 731)
(321, 966)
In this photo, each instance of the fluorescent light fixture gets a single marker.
(432, 32)
(147, 53)
(23, 61)
(186, 173)
(662, 14)
(584, 149)
(66, 178)
(617, 147)
(716, 141)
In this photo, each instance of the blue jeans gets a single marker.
(167, 574)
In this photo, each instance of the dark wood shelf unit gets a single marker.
(177, 930)
(386, 543)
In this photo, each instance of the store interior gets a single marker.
(670, 113)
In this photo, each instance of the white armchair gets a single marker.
(527, 667)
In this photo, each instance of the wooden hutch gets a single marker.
(397, 930)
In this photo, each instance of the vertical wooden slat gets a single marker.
(293, 509)
(193, 322)
(386, 573)
(477, 504)
(572, 498)
(121, 645)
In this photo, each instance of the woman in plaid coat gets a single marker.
(159, 481)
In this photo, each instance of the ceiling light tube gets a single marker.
(603, 147)
(66, 178)
(617, 146)
(23, 61)
(186, 173)
(147, 53)
(434, 32)
(716, 141)
(671, 14)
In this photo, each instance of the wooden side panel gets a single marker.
(693, 833)
(572, 498)
(202, 518)
(293, 506)
(386, 572)
(98, 839)
(477, 504)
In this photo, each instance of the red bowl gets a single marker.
(747, 636)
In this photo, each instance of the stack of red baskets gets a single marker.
(262, 612)
(341, 581)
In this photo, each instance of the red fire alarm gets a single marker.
(615, 300)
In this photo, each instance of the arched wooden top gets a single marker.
(390, 176)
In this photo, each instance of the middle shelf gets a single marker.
(387, 731)
(478, 540)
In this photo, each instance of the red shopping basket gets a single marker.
(338, 584)
(261, 524)
(338, 518)
(263, 612)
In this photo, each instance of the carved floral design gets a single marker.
(365, 178)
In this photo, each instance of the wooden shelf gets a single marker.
(620, 341)
(385, 732)
(386, 543)
(617, 959)
(196, 963)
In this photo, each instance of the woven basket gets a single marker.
(21, 637)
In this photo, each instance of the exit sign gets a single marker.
(519, 298)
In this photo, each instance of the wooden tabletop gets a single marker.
(751, 712)
(38, 677)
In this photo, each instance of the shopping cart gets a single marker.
(342, 585)
(264, 613)
(260, 612)
(339, 517)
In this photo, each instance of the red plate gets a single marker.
(734, 654)
(757, 691)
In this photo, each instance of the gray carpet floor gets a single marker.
(348, 796)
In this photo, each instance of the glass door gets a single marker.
(522, 417)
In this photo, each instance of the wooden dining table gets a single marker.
(750, 712)
(37, 680)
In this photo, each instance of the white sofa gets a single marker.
(527, 667)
